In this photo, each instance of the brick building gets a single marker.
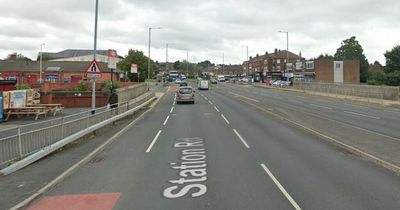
(60, 72)
(347, 71)
(272, 64)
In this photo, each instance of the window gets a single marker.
(13, 77)
(278, 61)
(278, 68)
(310, 65)
(338, 65)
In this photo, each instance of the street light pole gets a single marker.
(287, 52)
(223, 62)
(41, 63)
(148, 63)
(94, 57)
(187, 64)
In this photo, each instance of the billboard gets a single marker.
(133, 68)
(112, 59)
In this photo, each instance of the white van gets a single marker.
(203, 85)
(221, 78)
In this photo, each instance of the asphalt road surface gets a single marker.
(222, 154)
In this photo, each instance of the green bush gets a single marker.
(22, 86)
(81, 87)
(393, 78)
(376, 77)
(107, 86)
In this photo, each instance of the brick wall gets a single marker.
(323, 70)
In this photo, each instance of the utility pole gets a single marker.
(287, 52)
(223, 62)
(187, 64)
(148, 62)
(94, 58)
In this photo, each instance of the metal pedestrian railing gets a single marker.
(17, 143)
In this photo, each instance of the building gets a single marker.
(52, 71)
(347, 71)
(272, 65)
(77, 55)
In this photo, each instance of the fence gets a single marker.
(366, 91)
(17, 143)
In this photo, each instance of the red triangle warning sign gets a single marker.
(93, 68)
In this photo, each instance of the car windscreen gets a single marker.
(185, 90)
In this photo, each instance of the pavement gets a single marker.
(224, 152)
(361, 100)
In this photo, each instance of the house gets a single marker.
(347, 71)
(52, 71)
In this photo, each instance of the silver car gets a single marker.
(185, 94)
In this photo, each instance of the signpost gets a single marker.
(134, 70)
(93, 72)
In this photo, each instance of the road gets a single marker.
(222, 153)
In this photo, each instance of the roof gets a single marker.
(49, 66)
(73, 53)
(277, 54)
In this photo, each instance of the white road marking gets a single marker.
(210, 102)
(355, 113)
(216, 109)
(173, 104)
(172, 109)
(241, 139)
(166, 120)
(281, 188)
(154, 141)
(244, 97)
(324, 107)
(226, 120)
(205, 98)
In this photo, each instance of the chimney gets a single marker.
(275, 51)
(300, 53)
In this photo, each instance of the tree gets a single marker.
(377, 77)
(177, 65)
(137, 57)
(326, 57)
(351, 49)
(393, 59)
(18, 57)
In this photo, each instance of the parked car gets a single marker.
(185, 94)
(277, 83)
(213, 81)
(183, 83)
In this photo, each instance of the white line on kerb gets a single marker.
(154, 141)
(166, 120)
(226, 120)
(172, 109)
(291, 200)
(355, 113)
(241, 139)
(325, 107)
(216, 109)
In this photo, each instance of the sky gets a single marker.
(216, 30)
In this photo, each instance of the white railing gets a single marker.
(17, 143)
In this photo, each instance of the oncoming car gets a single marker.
(185, 94)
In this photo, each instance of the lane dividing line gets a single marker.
(210, 102)
(205, 98)
(172, 109)
(355, 113)
(241, 139)
(226, 120)
(244, 97)
(324, 107)
(154, 141)
(281, 188)
(166, 120)
(216, 109)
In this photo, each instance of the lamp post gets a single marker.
(287, 52)
(247, 56)
(148, 63)
(187, 64)
(166, 56)
(94, 57)
(41, 63)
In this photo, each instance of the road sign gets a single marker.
(133, 68)
(93, 71)
(112, 59)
